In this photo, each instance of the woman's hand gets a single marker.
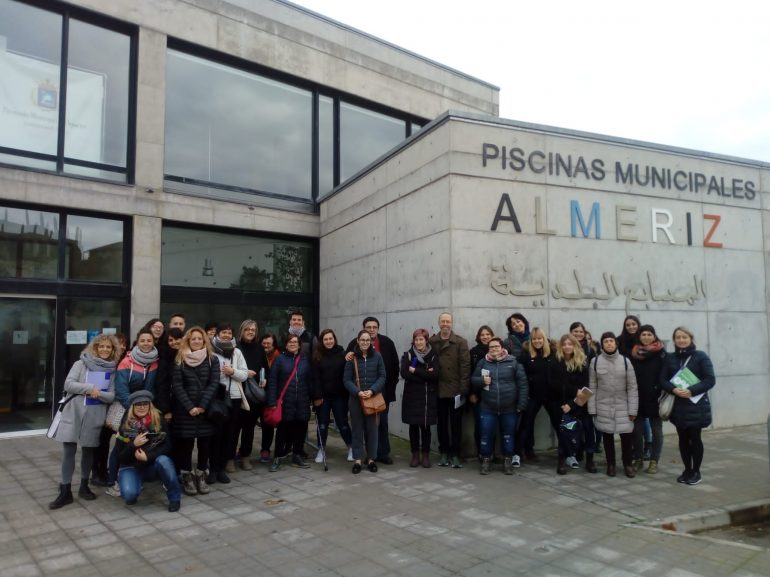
(411, 369)
(94, 393)
(262, 383)
(252, 374)
(473, 399)
(228, 370)
(168, 417)
(487, 380)
(350, 356)
(632, 418)
(365, 394)
(683, 393)
(318, 402)
(566, 408)
(140, 455)
(140, 439)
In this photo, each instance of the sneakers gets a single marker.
(230, 466)
(485, 466)
(350, 454)
(113, 491)
(298, 461)
(638, 464)
(443, 460)
(508, 466)
(572, 463)
(264, 456)
(275, 465)
(694, 478)
(652, 468)
(516, 461)
(319, 458)
(684, 476)
(246, 464)
(456, 464)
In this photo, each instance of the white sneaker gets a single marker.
(516, 461)
(113, 491)
(350, 455)
(319, 458)
(572, 463)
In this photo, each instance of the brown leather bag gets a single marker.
(375, 404)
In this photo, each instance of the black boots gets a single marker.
(590, 467)
(561, 468)
(64, 497)
(84, 492)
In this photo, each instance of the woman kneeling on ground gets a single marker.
(144, 446)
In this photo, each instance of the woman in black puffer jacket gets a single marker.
(329, 367)
(647, 357)
(536, 358)
(419, 369)
(688, 417)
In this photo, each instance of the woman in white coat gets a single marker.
(90, 389)
(615, 402)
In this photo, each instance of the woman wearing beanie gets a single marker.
(419, 405)
(254, 355)
(144, 446)
(518, 334)
(89, 387)
(648, 357)
(615, 401)
(232, 372)
(194, 384)
(692, 407)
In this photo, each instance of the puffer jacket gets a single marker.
(419, 405)
(563, 385)
(132, 376)
(611, 377)
(329, 372)
(371, 373)
(509, 390)
(648, 382)
(193, 387)
(685, 413)
(296, 400)
(454, 361)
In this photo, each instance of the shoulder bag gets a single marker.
(666, 399)
(274, 415)
(254, 394)
(219, 409)
(375, 404)
(51, 432)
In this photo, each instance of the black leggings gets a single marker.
(419, 436)
(690, 448)
(626, 440)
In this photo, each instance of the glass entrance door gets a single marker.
(27, 330)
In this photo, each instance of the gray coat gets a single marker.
(81, 423)
(613, 381)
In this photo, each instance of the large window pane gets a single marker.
(325, 145)
(94, 249)
(365, 136)
(234, 128)
(195, 258)
(30, 45)
(97, 94)
(29, 243)
(88, 318)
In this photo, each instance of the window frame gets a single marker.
(68, 12)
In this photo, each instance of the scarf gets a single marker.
(96, 364)
(643, 352)
(224, 348)
(503, 353)
(421, 356)
(272, 356)
(296, 331)
(144, 359)
(135, 426)
(195, 358)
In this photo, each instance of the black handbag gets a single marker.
(219, 409)
(254, 394)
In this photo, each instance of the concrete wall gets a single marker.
(412, 237)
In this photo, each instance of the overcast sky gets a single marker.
(681, 73)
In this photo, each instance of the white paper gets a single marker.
(459, 401)
(109, 331)
(20, 337)
(77, 337)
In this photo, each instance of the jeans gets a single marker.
(490, 422)
(657, 438)
(339, 406)
(130, 479)
(365, 429)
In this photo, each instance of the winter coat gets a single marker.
(126, 449)
(193, 387)
(163, 378)
(563, 385)
(477, 353)
(454, 362)
(228, 384)
(420, 400)
(611, 377)
(537, 369)
(390, 357)
(82, 423)
(296, 401)
(371, 373)
(329, 373)
(685, 413)
(648, 382)
(514, 344)
(509, 389)
(132, 376)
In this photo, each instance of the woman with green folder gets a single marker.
(689, 374)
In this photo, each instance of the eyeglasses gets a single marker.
(364, 341)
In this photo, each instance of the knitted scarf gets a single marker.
(643, 352)
(421, 355)
(195, 358)
(144, 359)
(96, 364)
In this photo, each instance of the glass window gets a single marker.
(97, 94)
(206, 259)
(325, 145)
(89, 316)
(365, 136)
(94, 249)
(237, 129)
(30, 59)
(29, 243)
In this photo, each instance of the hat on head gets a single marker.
(140, 397)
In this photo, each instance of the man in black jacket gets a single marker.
(387, 349)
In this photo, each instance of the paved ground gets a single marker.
(400, 521)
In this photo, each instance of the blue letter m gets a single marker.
(577, 217)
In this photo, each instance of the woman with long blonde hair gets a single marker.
(536, 358)
(195, 381)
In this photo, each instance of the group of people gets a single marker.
(175, 389)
